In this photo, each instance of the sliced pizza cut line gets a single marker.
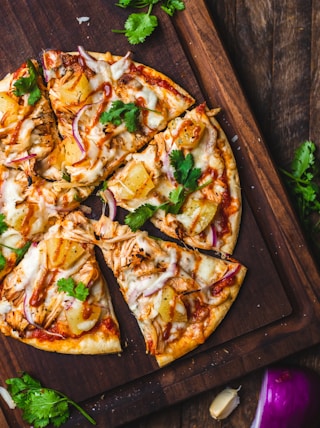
(179, 296)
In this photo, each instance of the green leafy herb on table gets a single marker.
(138, 26)
(41, 406)
(303, 181)
(28, 85)
(68, 285)
(121, 112)
(187, 178)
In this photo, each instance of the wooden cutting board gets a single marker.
(277, 311)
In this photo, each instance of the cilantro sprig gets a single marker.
(80, 291)
(139, 26)
(41, 406)
(28, 85)
(3, 224)
(121, 112)
(187, 178)
(303, 180)
(20, 252)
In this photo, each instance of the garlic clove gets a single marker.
(224, 403)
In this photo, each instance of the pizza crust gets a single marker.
(55, 159)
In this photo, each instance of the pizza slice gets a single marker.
(56, 299)
(186, 181)
(30, 205)
(28, 131)
(179, 296)
(106, 107)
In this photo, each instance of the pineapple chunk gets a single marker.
(190, 134)
(75, 90)
(135, 182)
(75, 317)
(63, 253)
(171, 308)
(197, 214)
(9, 108)
(73, 153)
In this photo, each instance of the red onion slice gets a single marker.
(89, 61)
(212, 235)
(107, 195)
(229, 274)
(75, 127)
(24, 158)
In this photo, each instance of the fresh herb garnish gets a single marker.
(121, 112)
(138, 26)
(66, 176)
(3, 262)
(3, 224)
(28, 85)
(41, 406)
(20, 252)
(187, 178)
(68, 285)
(303, 182)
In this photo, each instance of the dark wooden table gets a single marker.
(275, 50)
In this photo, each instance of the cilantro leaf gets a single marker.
(3, 224)
(184, 172)
(302, 180)
(121, 112)
(137, 218)
(41, 406)
(177, 197)
(139, 26)
(68, 285)
(187, 178)
(28, 85)
(3, 262)
(171, 6)
(136, 3)
(20, 252)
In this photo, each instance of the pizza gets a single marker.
(178, 295)
(192, 158)
(98, 130)
(85, 90)
(57, 294)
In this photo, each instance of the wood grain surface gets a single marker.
(273, 49)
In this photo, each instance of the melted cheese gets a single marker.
(5, 306)
(120, 67)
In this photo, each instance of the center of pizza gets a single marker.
(98, 125)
